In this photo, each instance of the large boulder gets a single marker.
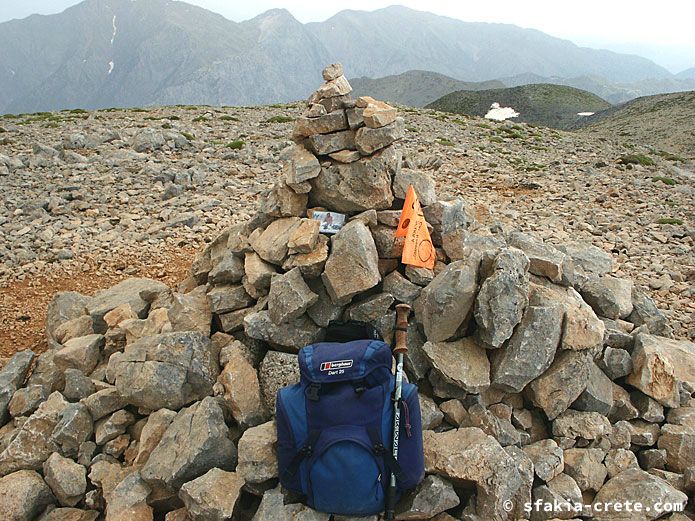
(357, 186)
(471, 455)
(289, 296)
(461, 363)
(445, 304)
(353, 265)
(241, 389)
(130, 291)
(196, 441)
(654, 368)
(213, 496)
(291, 335)
(169, 370)
(23, 496)
(257, 456)
(11, 378)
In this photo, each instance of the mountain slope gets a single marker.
(687, 74)
(103, 53)
(415, 88)
(554, 106)
(664, 121)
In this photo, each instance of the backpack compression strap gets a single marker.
(379, 449)
(304, 452)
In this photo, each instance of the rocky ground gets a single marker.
(91, 198)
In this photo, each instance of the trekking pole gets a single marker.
(401, 347)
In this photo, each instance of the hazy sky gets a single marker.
(663, 31)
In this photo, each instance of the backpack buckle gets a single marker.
(312, 392)
(379, 449)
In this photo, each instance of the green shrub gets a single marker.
(496, 139)
(174, 118)
(188, 136)
(279, 119)
(226, 117)
(411, 129)
(671, 157)
(199, 119)
(166, 126)
(138, 109)
(636, 159)
(237, 144)
(445, 141)
(663, 179)
(669, 220)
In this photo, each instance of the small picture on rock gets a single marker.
(331, 222)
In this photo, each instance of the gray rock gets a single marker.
(370, 309)
(386, 243)
(74, 427)
(283, 201)
(609, 296)
(229, 270)
(103, 402)
(679, 443)
(67, 479)
(257, 456)
(616, 363)
(110, 428)
(258, 272)
(431, 415)
(77, 385)
(357, 186)
(432, 496)
(168, 370)
(462, 363)
(652, 459)
(471, 455)
(561, 490)
(195, 442)
(323, 311)
(352, 266)
(618, 460)
(26, 400)
(649, 409)
(547, 458)
(324, 144)
(12, 376)
(545, 260)
(23, 496)
(401, 288)
(301, 166)
(556, 389)
(33, 443)
(46, 373)
(324, 124)
(292, 335)
(503, 297)
(69, 514)
(500, 428)
(445, 304)
(369, 140)
(225, 299)
(128, 500)
(645, 312)
(530, 351)
(271, 244)
(423, 184)
(310, 264)
(157, 424)
(213, 496)
(289, 297)
(590, 258)
(419, 276)
(636, 486)
(586, 467)
(127, 292)
(80, 353)
(579, 424)
(64, 306)
(448, 220)
(277, 370)
(598, 395)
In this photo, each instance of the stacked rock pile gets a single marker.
(543, 377)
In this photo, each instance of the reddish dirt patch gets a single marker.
(23, 304)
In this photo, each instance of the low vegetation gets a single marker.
(636, 159)
(237, 144)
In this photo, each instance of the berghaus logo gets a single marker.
(336, 364)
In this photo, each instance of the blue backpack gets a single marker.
(335, 429)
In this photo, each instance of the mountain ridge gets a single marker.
(103, 53)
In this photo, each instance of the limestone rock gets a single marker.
(598, 395)
(74, 427)
(636, 486)
(324, 144)
(33, 444)
(229, 270)
(369, 140)
(579, 424)
(352, 266)
(679, 443)
(645, 312)
(152, 432)
(432, 496)
(653, 371)
(289, 297)
(471, 455)
(332, 71)
(547, 458)
(225, 299)
(26, 400)
(444, 305)
(257, 456)
(586, 467)
(127, 292)
(169, 370)
(258, 272)
(401, 288)
(277, 370)
(128, 500)
(310, 264)
(271, 244)
(23, 496)
(423, 184)
(544, 259)
(357, 186)
(609, 296)
(378, 114)
(556, 389)
(305, 237)
(103, 402)
(292, 335)
(80, 353)
(195, 442)
(503, 297)
(67, 479)
(530, 351)
(212, 497)
(242, 390)
(12, 376)
(64, 306)
(462, 363)
(302, 166)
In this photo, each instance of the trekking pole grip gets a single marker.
(402, 312)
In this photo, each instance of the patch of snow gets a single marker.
(500, 113)
(110, 67)
(12, 72)
(115, 29)
(585, 113)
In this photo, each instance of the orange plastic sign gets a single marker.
(418, 249)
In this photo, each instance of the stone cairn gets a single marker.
(543, 377)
